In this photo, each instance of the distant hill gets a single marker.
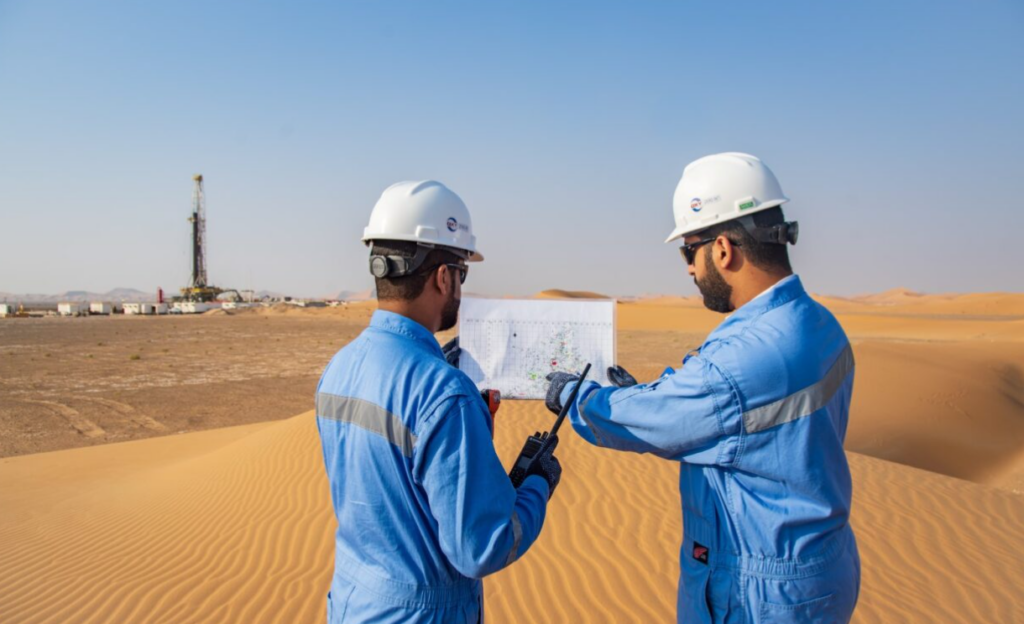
(82, 296)
(557, 293)
(131, 294)
(268, 294)
(354, 295)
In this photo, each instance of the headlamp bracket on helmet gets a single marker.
(783, 233)
(382, 266)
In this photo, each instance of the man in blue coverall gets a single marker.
(756, 418)
(424, 507)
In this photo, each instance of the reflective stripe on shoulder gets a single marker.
(517, 536)
(368, 416)
(803, 402)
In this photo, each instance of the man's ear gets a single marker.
(724, 253)
(441, 280)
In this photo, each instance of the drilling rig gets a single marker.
(198, 288)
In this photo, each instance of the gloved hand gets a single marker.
(553, 401)
(546, 465)
(452, 351)
(620, 377)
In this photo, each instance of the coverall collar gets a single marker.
(405, 326)
(772, 287)
(784, 291)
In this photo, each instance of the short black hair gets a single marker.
(765, 256)
(408, 287)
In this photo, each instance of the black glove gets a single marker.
(452, 351)
(553, 401)
(546, 465)
(620, 377)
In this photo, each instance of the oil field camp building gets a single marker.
(139, 308)
(7, 309)
(194, 307)
(104, 307)
(189, 307)
(71, 309)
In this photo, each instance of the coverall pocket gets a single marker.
(720, 594)
(817, 611)
(693, 601)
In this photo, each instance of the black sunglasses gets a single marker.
(689, 250)
(461, 268)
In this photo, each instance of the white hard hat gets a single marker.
(722, 187)
(425, 212)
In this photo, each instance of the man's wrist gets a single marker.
(540, 479)
(567, 391)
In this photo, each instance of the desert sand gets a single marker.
(235, 523)
(70, 382)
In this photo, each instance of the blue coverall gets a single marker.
(424, 507)
(756, 421)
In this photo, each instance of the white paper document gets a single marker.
(512, 344)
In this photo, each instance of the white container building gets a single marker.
(193, 307)
(71, 309)
(103, 307)
(138, 308)
(7, 309)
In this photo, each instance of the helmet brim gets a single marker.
(676, 234)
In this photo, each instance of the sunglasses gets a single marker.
(689, 250)
(461, 268)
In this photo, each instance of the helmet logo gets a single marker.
(453, 225)
(695, 204)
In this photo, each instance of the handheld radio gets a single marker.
(536, 444)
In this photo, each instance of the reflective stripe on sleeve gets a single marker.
(368, 416)
(517, 536)
(803, 402)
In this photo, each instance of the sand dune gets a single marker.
(909, 303)
(958, 410)
(666, 300)
(235, 525)
(569, 294)
(227, 525)
(944, 392)
(894, 295)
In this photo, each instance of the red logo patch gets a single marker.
(700, 553)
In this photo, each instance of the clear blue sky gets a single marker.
(895, 127)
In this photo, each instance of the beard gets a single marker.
(450, 312)
(715, 290)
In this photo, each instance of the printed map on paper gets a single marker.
(512, 344)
